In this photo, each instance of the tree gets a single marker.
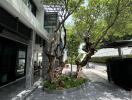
(64, 8)
(72, 45)
(73, 42)
(97, 20)
(122, 28)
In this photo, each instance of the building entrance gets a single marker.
(12, 60)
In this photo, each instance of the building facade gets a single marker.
(22, 39)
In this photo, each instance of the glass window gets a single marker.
(50, 19)
(21, 54)
(30, 4)
(21, 63)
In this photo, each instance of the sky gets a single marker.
(70, 19)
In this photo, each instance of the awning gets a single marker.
(118, 44)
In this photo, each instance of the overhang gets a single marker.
(118, 44)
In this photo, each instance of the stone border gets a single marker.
(24, 94)
(65, 90)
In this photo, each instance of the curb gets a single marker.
(24, 94)
(65, 90)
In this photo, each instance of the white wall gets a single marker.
(112, 52)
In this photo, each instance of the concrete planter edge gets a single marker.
(65, 90)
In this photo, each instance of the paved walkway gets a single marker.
(97, 89)
(92, 91)
(8, 92)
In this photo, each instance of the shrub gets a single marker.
(68, 82)
(49, 85)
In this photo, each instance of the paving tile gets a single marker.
(99, 89)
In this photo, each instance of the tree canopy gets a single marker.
(73, 42)
(104, 20)
(95, 22)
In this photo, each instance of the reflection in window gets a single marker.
(21, 63)
(21, 54)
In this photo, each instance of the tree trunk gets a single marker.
(50, 68)
(78, 70)
(30, 62)
(82, 63)
(71, 66)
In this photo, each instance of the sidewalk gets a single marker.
(12, 90)
(97, 89)
(8, 92)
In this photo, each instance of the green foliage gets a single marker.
(49, 85)
(89, 20)
(98, 15)
(69, 82)
(122, 28)
(73, 42)
(101, 59)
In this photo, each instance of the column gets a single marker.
(30, 62)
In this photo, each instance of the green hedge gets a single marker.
(103, 59)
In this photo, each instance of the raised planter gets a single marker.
(65, 90)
